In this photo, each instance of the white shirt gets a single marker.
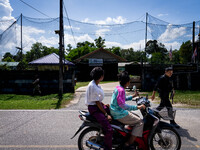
(93, 93)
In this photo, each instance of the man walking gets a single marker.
(164, 86)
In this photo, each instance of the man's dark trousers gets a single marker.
(165, 102)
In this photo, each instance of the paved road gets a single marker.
(52, 129)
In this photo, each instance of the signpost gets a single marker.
(95, 62)
(185, 68)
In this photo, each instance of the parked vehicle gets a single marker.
(156, 134)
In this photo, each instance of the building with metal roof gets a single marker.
(100, 57)
(11, 65)
(49, 62)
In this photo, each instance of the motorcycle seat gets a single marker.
(117, 123)
(88, 116)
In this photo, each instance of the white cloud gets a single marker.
(5, 10)
(161, 15)
(28, 36)
(108, 20)
(5, 15)
(196, 37)
(119, 20)
(86, 20)
(135, 45)
(174, 45)
(110, 44)
(69, 39)
(172, 33)
(28, 30)
(12, 39)
(49, 42)
(101, 32)
(73, 28)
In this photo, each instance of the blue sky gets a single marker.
(173, 11)
(105, 12)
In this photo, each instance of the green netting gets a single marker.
(125, 35)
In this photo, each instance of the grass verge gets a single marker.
(189, 98)
(13, 101)
(80, 84)
(52, 101)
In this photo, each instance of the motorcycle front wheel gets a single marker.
(90, 138)
(168, 139)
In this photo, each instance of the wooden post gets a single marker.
(21, 40)
(61, 45)
(193, 40)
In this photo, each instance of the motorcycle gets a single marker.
(156, 133)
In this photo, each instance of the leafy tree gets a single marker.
(18, 56)
(157, 58)
(153, 46)
(47, 51)
(175, 57)
(35, 52)
(69, 48)
(100, 42)
(81, 44)
(116, 50)
(131, 55)
(4, 67)
(38, 51)
(7, 57)
(155, 49)
(23, 65)
(127, 54)
(185, 52)
(78, 52)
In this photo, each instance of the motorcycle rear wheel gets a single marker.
(89, 134)
(172, 140)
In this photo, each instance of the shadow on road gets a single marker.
(184, 133)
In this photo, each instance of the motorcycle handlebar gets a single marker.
(142, 100)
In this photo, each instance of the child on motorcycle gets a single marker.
(94, 97)
(121, 111)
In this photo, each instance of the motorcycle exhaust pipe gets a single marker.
(93, 145)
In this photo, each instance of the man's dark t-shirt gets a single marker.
(164, 86)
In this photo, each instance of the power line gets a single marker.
(143, 16)
(35, 9)
(69, 23)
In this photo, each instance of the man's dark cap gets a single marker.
(168, 69)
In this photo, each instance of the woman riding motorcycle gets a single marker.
(121, 111)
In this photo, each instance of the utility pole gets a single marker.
(146, 34)
(198, 49)
(20, 48)
(21, 38)
(61, 46)
(143, 61)
(193, 40)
